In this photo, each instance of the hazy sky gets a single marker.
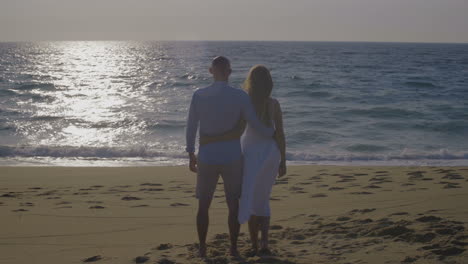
(318, 20)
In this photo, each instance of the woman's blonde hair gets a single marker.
(259, 85)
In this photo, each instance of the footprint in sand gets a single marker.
(151, 189)
(296, 189)
(453, 176)
(448, 251)
(362, 193)
(372, 186)
(80, 193)
(96, 207)
(345, 180)
(362, 211)
(94, 202)
(416, 175)
(92, 259)
(164, 246)
(141, 259)
(130, 198)
(360, 174)
(9, 195)
(140, 205)
(124, 186)
(318, 195)
(276, 227)
(399, 213)
(150, 184)
(343, 218)
(460, 241)
(179, 204)
(335, 188)
(409, 259)
(451, 185)
(20, 210)
(62, 203)
(168, 261)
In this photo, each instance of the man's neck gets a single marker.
(221, 82)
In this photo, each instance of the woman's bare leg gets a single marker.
(264, 225)
(253, 230)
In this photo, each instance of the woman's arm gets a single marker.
(279, 136)
(232, 134)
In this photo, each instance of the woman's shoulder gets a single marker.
(272, 101)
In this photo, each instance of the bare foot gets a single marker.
(252, 252)
(233, 252)
(202, 251)
(265, 252)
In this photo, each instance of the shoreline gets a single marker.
(113, 163)
(328, 214)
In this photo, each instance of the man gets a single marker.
(217, 109)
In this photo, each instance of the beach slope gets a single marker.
(320, 214)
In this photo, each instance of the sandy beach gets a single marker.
(320, 214)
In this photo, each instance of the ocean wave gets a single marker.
(168, 124)
(4, 127)
(118, 124)
(8, 112)
(312, 136)
(8, 92)
(148, 153)
(403, 156)
(46, 118)
(421, 84)
(384, 112)
(295, 77)
(26, 95)
(190, 76)
(309, 93)
(31, 86)
(366, 148)
(86, 152)
(450, 127)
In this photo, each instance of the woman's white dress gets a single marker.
(261, 163)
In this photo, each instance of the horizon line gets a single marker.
(192, 40)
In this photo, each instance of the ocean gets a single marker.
(125, 103)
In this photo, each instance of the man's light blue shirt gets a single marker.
(216, 109)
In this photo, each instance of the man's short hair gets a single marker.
(220, 62)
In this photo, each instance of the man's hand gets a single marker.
(193, 162)
(282, 169)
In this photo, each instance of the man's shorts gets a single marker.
(208, 175)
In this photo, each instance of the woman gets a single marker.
(264, 158)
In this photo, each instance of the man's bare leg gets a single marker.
(234, 226)
(202, 223)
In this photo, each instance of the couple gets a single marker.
(248, 161)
